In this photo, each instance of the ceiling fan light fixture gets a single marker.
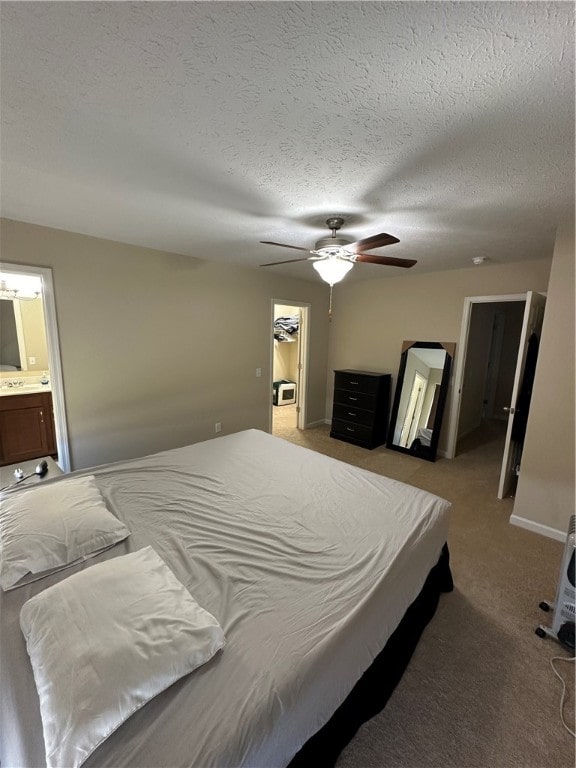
(333, 269)
(332, 242)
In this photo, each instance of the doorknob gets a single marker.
(510, 410)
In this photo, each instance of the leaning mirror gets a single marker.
(420, 396)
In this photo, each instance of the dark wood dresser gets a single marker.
(361, 407)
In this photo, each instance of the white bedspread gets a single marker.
(307, 563)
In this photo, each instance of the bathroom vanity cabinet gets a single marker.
(26, 427)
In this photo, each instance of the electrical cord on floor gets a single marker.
(559, 676)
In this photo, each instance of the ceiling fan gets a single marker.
(333, 257)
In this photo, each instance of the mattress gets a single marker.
(309, 565)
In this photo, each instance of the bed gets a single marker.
(321, 575)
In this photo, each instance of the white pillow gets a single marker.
(50, 527)
(105, 641)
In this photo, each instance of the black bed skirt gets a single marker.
(371, 693)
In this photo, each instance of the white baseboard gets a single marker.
(543, 530)
(318, 423)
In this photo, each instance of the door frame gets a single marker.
(54, 358)
(461, 353)
(304, 345)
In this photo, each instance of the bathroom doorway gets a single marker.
(28, 361)
(288, 366)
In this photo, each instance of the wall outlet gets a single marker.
(218, 427)
(31, 361)
(258, 372)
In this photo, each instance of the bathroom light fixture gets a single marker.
(24, 287)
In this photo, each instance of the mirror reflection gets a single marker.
(23, 344)
(420, 397)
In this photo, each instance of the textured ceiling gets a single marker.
(205, 127)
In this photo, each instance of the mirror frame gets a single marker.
(427, 452)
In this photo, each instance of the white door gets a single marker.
(413, 411)
(533, 316)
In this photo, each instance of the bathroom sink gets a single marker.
(24, 389)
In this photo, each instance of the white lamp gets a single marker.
(332, 269)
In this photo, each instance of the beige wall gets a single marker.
(33, 326)
(158, 347)
(371, 318)
(545, 492)
(285, 360)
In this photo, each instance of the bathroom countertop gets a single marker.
(26, 390)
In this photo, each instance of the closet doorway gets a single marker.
(494, 372)
(289, 364)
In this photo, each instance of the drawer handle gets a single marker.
(354, 382)
(353, 399)
(349, 429)
(351, 413)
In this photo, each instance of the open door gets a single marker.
(517, 410)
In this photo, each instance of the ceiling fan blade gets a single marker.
(375, 241)
(290, 261)
(283, 245)
(388, 261)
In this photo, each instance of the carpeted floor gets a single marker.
(284, 417)
(479, 691)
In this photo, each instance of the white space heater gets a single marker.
(564, 608)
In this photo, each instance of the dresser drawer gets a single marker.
(356, 382)
(350, 430)
(356, 399)
(355, 415)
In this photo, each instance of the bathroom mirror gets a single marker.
(23, 344)
(420, 397)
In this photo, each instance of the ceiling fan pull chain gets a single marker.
(330, 307)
